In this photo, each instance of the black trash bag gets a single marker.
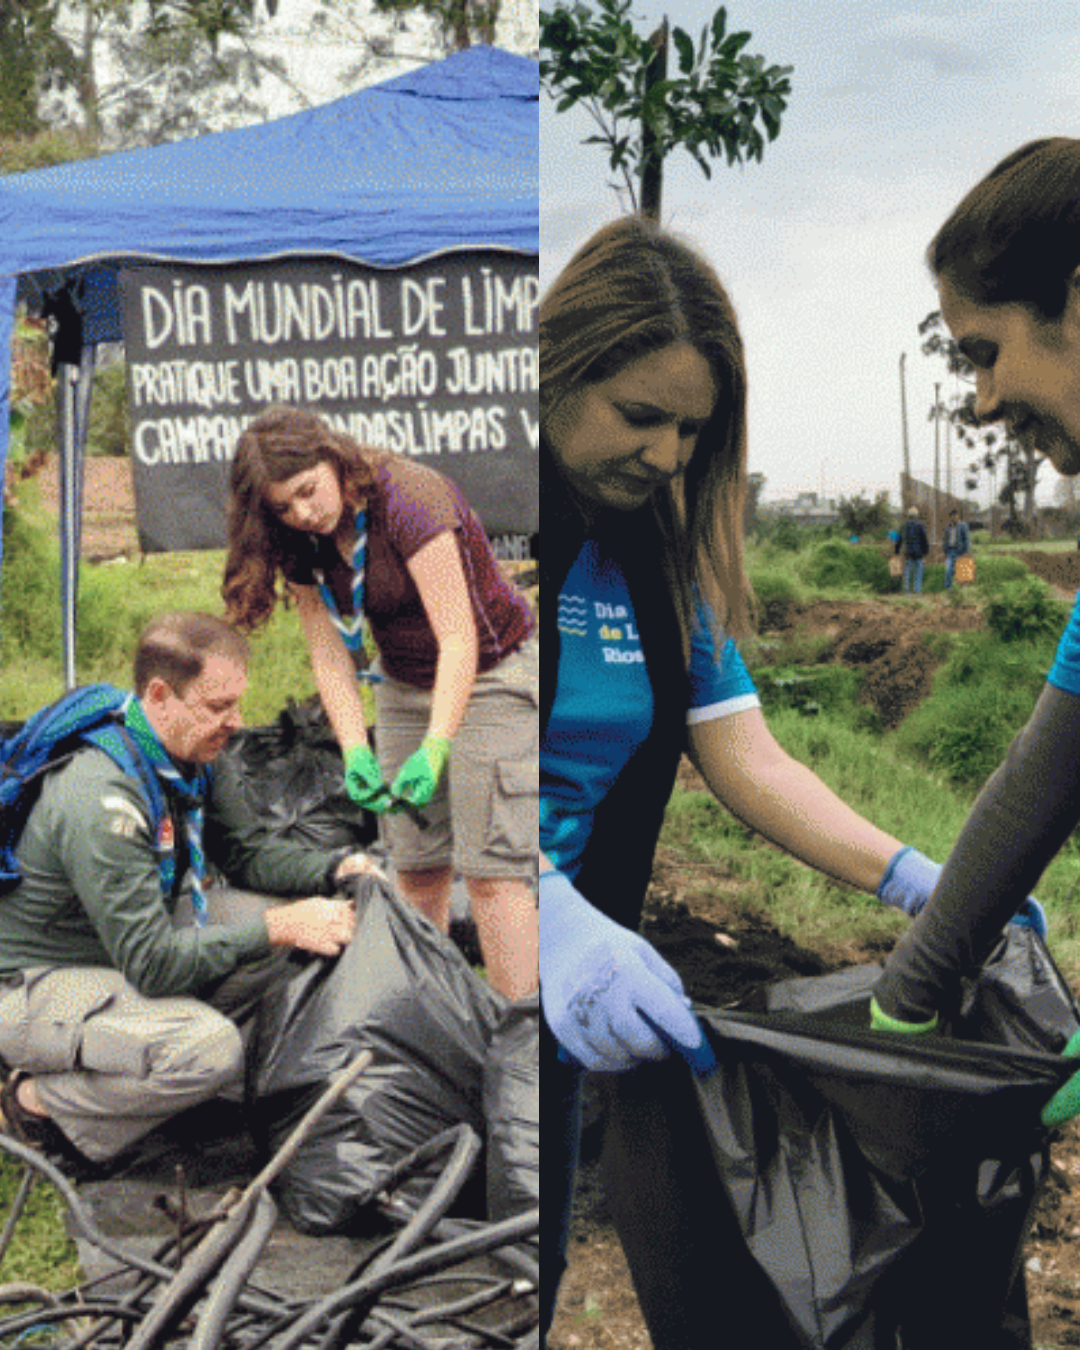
(829, 1186)
(511, 1106)
(292, 778)
(447, 1049)
(404, 992)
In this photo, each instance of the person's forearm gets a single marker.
(1028, 808)
(787, 803)
(455, 676)
(335, 679)
(795, 810)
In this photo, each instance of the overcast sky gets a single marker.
(897, 110)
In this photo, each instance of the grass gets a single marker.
(871, 774)
(116, 600)
(42, 1253)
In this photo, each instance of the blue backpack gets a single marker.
(87, 716)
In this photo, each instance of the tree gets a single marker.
(711, 109)
(461, 22)
(995, 451)
(176, 83)
(755, 486)
(33, 58)
(211, 19)
(860, 516)
(172, 64)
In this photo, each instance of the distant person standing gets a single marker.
(914, 545)
(957, 545)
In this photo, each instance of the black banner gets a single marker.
(439, 361)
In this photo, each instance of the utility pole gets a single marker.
(652, 159)
(948, 461)
(937, 459)
(905, 491)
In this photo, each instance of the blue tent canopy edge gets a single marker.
(443, 158)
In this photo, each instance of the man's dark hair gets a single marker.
(175, 648)
(1015, 237)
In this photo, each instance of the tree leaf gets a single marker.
(685, 47)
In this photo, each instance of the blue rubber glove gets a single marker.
(609, 998)
(910, 879)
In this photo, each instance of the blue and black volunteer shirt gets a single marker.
(604, 708)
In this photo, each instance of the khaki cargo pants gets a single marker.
(110, 1064)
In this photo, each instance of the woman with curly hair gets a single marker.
(360, 537)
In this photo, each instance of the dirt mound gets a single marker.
(887, 642)
(1059, 569)
(722, 966)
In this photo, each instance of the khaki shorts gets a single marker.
(484, 817)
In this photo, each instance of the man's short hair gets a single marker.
(175, 647)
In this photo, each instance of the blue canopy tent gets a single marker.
(442, 159)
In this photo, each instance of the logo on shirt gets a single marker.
(573, 615)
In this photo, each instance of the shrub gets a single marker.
(831, 565)
(108, 430)
(835, 565)
(29, 589)
(982, 696)
(777, 594)
(995, 571)
(963, 733)
(785, 534)
(872, 570)
(1025, 610)
(809, 690)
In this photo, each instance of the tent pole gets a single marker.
(70, 475)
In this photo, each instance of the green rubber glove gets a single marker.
(420, 774)
(881, 1021)
(1065, 1103)
(364, 780)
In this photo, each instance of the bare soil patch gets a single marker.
(108, 517)
(1059, 569)
(888, 643)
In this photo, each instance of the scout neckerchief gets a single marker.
(191, 793)
(351, 626)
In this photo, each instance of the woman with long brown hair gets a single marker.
(643, 481)
(363, 537)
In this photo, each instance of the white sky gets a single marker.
(896, 111)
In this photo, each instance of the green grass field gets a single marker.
(116, 599)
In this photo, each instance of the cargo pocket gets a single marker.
(513, 830)
(42, 1028)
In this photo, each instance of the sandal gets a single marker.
(38, 1131)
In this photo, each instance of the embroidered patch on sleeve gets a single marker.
(125, 819)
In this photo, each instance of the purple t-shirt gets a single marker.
(409, 506)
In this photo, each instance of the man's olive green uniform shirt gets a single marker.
(91, 892)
